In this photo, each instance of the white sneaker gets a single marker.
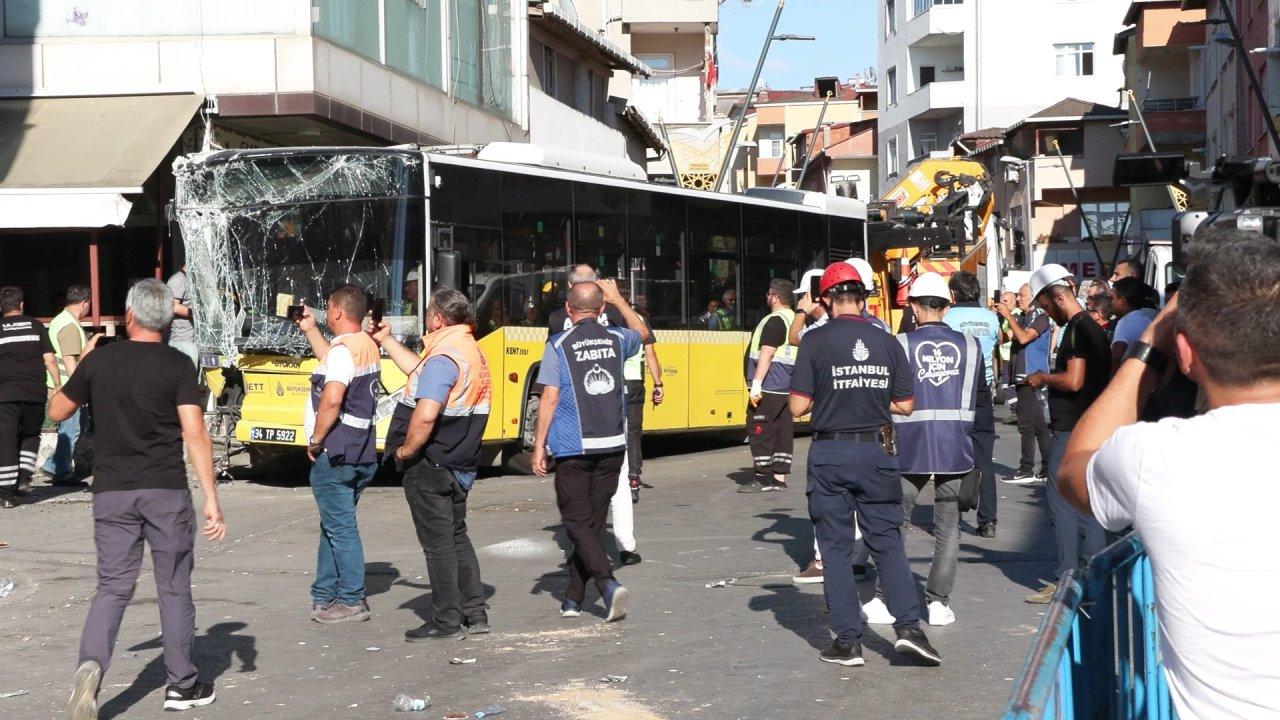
(877, 613)
(940, 614)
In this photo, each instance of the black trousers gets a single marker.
(584, 487)
(19, 441)
(439, 507)
(1033, 428)
(984, 447)
(635, 427)
(771, 431)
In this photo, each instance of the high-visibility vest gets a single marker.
(455, 442)
(351, 441)
(934, 438)
(64, 319)
(778, 377)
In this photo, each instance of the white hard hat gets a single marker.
(864, 271)
(1047, 275)
(930, 284)
(412, 276)
(805, 281)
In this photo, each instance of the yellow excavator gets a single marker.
(935, 218)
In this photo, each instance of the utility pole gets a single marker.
(808, 153)
(1088, 227)
(732, 152)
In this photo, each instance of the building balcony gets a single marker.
(935, 100)
(938, 26)
(1175, 123)
(665, 17)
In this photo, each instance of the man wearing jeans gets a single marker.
(435, 441)
(69, 344)
(339, 426)
(1030, 332)
(1081, 373)
(147, 404)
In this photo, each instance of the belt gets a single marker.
(857, 437)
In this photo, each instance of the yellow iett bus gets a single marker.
(263, 229)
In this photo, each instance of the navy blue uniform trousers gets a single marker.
(845, 477)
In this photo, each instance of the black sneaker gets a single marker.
(756, 486)
(615, 601)
(198, 695)
(846, 655)
(1022, 477)
(479, 626)
(8, 499)
(913, 644)
(986, 530)
(431, 631)
(779, 484)
(629, 558)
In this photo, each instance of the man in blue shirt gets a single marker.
(982, 325)
(581, 422)
(1030, 355)
(434, 438)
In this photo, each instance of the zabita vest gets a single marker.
(945, 364)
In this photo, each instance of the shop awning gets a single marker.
(68, 162)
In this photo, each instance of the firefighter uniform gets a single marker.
(852, 371)
(771, 429)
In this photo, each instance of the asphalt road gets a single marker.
(747, 650)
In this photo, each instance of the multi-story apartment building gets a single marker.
(97, 97)
(948, 67)
(1163, 48)
(1235, 121)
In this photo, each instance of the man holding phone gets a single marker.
(340, 432)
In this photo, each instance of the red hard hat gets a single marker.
(837, 274)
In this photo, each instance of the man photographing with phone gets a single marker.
(1216, 583)
(340, 443)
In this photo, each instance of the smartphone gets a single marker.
(814, 284)
(377, 307)
(294, 313)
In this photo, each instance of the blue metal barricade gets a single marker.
(1097, 653)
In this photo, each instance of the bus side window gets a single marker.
(714, 231)
(655, 244)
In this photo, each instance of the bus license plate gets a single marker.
(266, 434)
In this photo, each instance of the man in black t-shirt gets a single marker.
(25, 357)
(146, 403)
(1081, 373)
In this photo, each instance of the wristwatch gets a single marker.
(1148, 354)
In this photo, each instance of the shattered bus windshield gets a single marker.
(265, 230)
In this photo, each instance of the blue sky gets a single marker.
(845, 45)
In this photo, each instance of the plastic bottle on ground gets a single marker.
(404, 703)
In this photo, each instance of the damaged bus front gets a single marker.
(265, 229)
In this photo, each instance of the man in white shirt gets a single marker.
(1216, 583)
(1136, 304)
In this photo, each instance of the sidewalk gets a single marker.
(748, 650)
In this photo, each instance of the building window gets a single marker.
(928, 73)
(1074, 59)
(890, 17)
(548, 71)
(922, 6)
(891, 156)
(1106, 218)
(771, 140)
(1071, 140)
(928, 143)
(891, 81)
(599, 95)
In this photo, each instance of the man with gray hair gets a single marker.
(146, 401)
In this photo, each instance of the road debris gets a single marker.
(372, 649)
(404, 703)
(6, 587)
(489, 711)
(721, 583)
(15, 693)
(461, 661)
(613, 679)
